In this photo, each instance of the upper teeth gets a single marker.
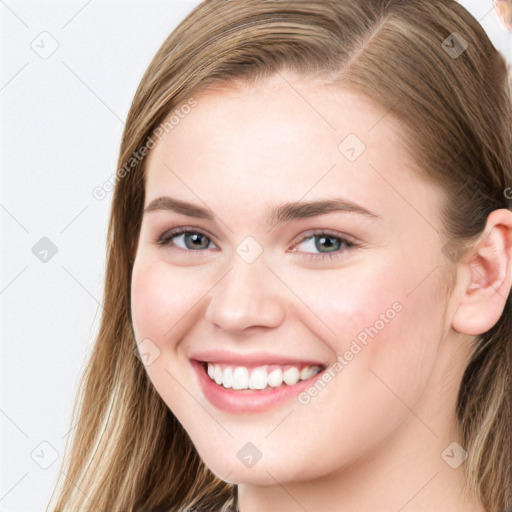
(240, 377)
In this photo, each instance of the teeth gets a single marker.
(307, 373)
(227, 378)
(217, 374)
(240, 377)
(259, 378)
(275, 378)
(291, 376)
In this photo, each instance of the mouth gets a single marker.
(260, 378)
(254, 385)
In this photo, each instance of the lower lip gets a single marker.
(247, 401)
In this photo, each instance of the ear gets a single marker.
(484, 277)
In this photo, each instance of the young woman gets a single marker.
(307, 297)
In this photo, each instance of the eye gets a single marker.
(326, 244)
(317, 245)
(186, 239)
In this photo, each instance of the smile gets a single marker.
(261, 378)
(252, 384)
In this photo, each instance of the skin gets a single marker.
(372, 439)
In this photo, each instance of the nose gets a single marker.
(249, 295)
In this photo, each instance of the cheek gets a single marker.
(164, 308)
(161, 298)
(385, 320)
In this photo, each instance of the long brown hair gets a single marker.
(431, 66)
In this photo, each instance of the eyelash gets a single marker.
(165, 240)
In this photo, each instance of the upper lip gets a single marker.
(253, 359)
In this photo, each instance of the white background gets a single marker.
(61, 124)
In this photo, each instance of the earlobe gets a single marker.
(485, 277)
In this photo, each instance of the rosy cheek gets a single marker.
(150, 298)
(162, 299)
(348, 301)
(375, 317)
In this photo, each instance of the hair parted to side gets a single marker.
(128, 451)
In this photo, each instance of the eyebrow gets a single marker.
(281, 213)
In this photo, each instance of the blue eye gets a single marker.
(326, 244)
(189, 240)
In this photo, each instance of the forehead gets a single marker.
(283, 140)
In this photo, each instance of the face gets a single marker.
(309, 248)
